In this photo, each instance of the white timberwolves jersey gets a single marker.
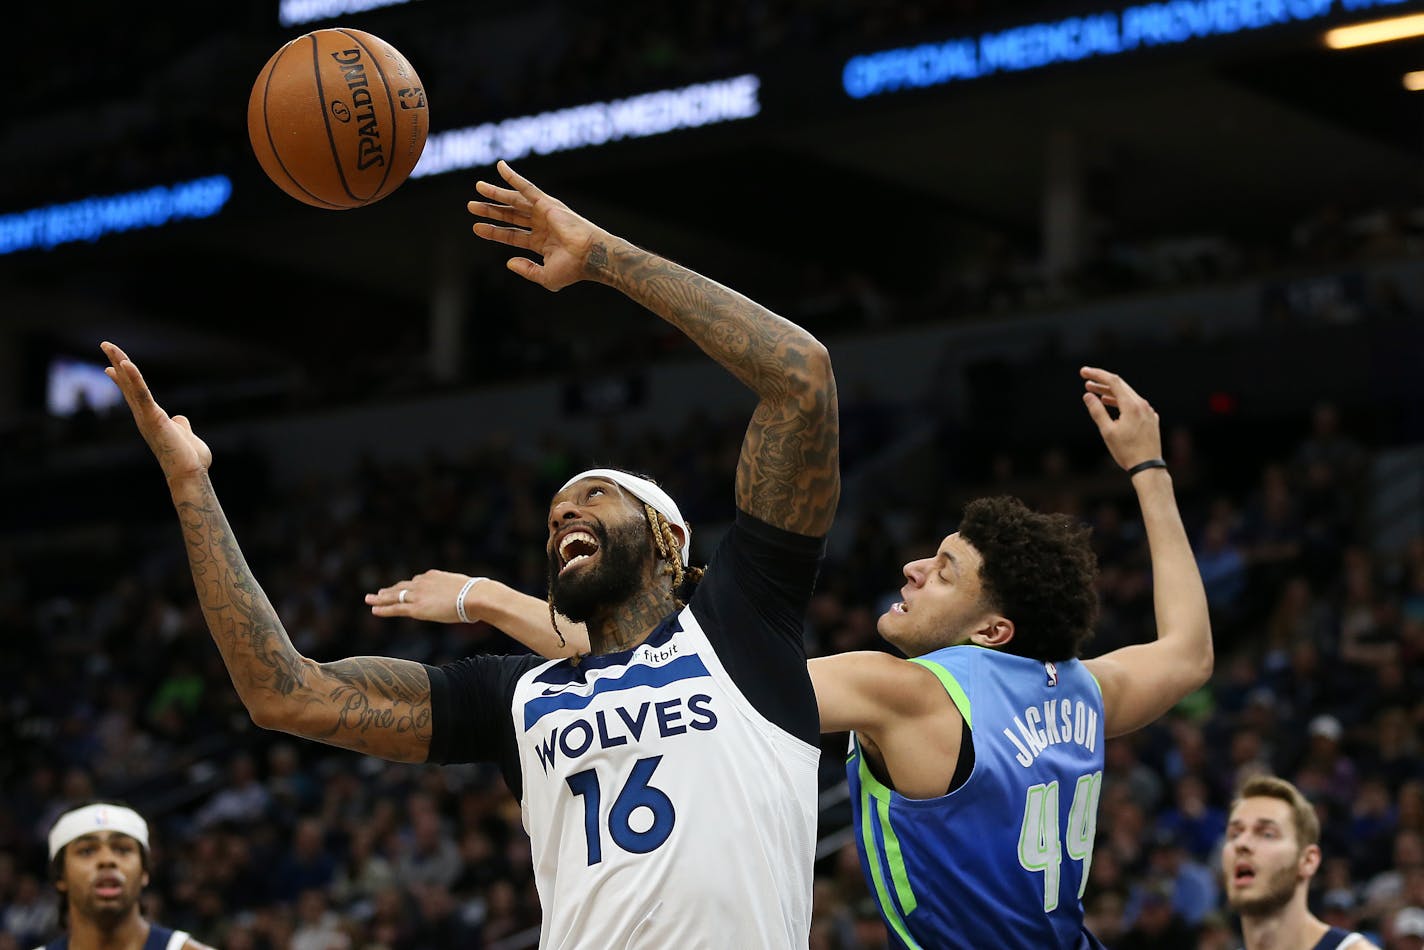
(664, 810)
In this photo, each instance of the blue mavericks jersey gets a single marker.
(1002, 860)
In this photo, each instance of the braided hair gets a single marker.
(666, 542)
(669, 551)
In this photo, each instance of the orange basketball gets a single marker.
(337, 118)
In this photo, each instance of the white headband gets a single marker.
(648, 493)
(95, 818)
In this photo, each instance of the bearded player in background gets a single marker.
(1272, 851)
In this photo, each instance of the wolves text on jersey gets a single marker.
(608, 728)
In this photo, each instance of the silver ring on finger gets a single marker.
(403, 593)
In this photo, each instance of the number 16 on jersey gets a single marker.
(636, 793)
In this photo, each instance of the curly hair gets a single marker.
(1038, 571)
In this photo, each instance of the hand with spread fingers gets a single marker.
(429, 595)
(533, 221)
(1135, 435)
(180, 453)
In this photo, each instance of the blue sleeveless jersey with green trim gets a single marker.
(1001, 861)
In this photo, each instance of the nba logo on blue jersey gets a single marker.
(1052, 672)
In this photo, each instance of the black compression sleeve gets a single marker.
(471, 718)
(752, 606)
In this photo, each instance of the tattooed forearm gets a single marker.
(766, 352)
(371, 704)
(259, 655)
(789, 474)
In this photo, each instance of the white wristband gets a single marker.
(460, 599)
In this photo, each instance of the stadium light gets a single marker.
(1414, 81)
(1375, 31)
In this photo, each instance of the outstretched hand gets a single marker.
(1135, 434)
(539, 224)
(180, 453)
(429, 595)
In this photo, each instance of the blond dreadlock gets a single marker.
(666, 542)
(668, 550)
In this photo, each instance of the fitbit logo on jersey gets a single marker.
(353, 71)
(610, 728)
(1062, 720)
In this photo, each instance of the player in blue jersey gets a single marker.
(976, 766)
(632, 764)
(99, 860)
(1272, 851)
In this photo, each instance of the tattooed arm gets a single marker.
(789, 472)
(376, 705)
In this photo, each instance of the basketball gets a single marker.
(337, 118)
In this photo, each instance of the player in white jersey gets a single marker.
(669, 779)
(1272, 851)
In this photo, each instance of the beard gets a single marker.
(1280, 888)
(615, 577)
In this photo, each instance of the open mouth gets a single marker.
(108, 887)
(575, 547)
(900, 608)
(1243, 875)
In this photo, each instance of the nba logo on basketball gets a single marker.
(411, 98)
(1052, 672)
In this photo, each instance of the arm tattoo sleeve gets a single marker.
(789, 473)
(371, 704)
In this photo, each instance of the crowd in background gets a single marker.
(265, 841)
(112, 689)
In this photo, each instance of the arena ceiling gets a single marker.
(1227, 137)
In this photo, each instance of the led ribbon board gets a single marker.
(91, 218)
(292, 12)
(597, 123)
(1094, 35)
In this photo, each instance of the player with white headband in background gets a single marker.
(668, 777)
(99, 861)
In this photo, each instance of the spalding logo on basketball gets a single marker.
(337, 118)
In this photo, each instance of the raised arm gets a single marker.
(789, 471)
(376, 705)
(431, 595)
(1143, 681)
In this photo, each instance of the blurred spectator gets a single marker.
(242, 801)
(318, 928)
(1157, 926)
(306, 866)
(1222, 565)
(1406, 930)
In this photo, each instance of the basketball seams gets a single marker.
(282, 99)
(326, 121)
(386, 85)
(267, 127)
